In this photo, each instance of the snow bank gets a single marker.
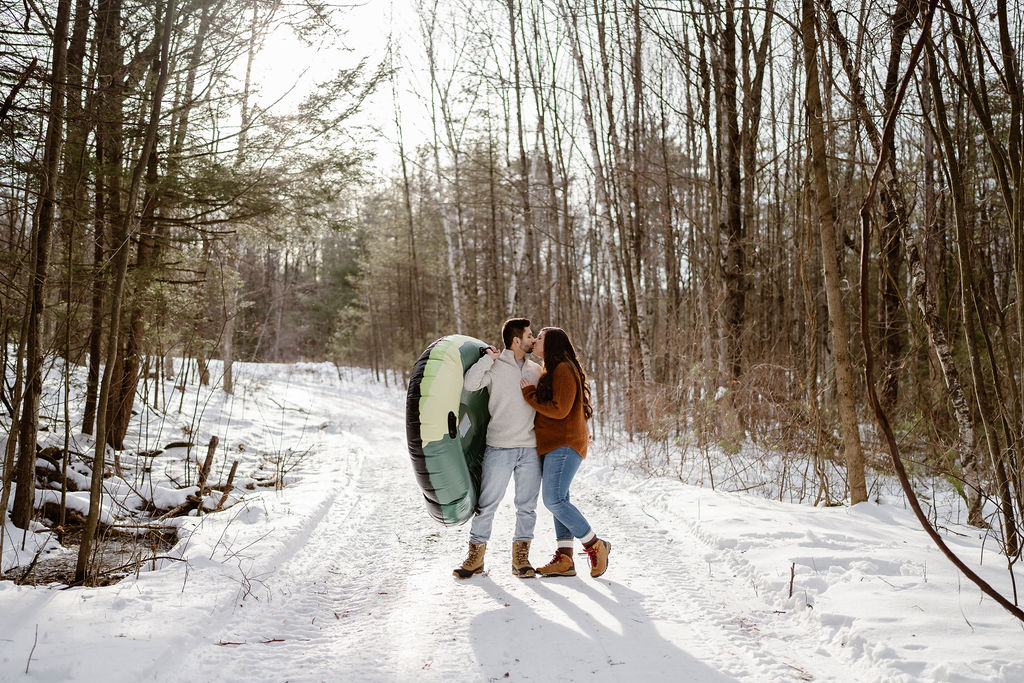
(866, 579)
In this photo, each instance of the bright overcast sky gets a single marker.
(286, 64)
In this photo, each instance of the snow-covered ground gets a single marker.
(342, 576)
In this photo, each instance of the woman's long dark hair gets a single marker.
(558, 349)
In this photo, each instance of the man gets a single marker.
(511, 447)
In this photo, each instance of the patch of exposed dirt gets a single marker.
(115, 555)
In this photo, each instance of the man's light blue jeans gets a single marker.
(499, 465)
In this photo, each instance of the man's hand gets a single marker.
(492, 352)
(523, 383)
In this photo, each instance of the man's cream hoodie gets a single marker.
(511, 424)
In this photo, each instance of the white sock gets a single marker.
(589, 537)
(565, 543)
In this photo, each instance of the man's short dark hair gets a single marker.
(513, 327)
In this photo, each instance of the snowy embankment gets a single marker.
(341, 575)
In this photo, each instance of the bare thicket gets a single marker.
(686, 178)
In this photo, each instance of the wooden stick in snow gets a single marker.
(204, 472)
(228, 486)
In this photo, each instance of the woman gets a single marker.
(562, 401)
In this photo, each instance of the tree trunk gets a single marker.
(606, 225)
(92, 382)
(732, 224)
(109, 157)
(889, 235)
(415, 305)
(524, 233)
(826, 218)
(753, 86)
(227, 342)
(958, 192)
(128, 230)
(44, 219)
(9, 451)
(126, 379)
(453, 257)
(1015, 208)
(890, 232)
(635, 221)
(229, 292)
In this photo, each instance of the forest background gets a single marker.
(790, 226)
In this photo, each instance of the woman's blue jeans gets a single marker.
(560, 466)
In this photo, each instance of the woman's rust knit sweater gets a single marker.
(560, 421)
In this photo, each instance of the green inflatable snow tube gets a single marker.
(446, 428)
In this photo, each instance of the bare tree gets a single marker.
(826, 220)
(43, 220)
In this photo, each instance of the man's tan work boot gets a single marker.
(474, 562)
(521, 566)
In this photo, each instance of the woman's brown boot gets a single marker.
(560, 565)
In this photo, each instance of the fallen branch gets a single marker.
(191, 501)
(34, 641)
(144, 560)
(144, 526)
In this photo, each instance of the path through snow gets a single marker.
(343, 576)
(367, 594)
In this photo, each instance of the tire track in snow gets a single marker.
(668, 565)
(290, 625)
